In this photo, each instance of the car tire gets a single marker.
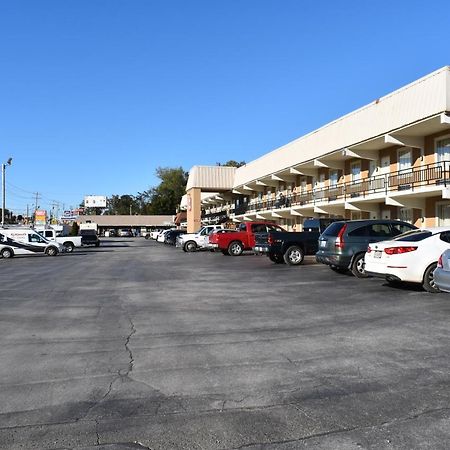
(6, 253)
(52, 251)
(428, 280)
(190, 246)
(294, 255)
(69, 247)
(225, 252)
(276, 258)
(235, 248)
(358, 266)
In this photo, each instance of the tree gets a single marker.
(232, 163)
(166, 196)
(123, 205)
(74, 229)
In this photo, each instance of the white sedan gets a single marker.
(410, 257)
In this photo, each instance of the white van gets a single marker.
(25, 241)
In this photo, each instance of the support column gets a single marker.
(194, 210)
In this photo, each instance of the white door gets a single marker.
(385, 165)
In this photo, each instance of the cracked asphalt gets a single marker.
(137, 345)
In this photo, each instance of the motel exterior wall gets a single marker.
(388, 159)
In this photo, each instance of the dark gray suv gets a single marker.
(343, 244)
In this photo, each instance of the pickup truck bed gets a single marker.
(291, 247)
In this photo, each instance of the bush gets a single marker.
(75, 229)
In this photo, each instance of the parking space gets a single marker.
(141, 345)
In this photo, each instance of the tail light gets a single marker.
(398, 250)
(340, 237)
(269, 239)
(439, 264)
(368, 249)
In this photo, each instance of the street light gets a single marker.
(7, 163)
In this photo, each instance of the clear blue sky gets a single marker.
(95, 94)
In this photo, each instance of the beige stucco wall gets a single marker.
(193, 209)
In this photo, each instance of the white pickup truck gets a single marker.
(193, 241)
(69, 242)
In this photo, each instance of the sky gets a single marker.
(96, 94)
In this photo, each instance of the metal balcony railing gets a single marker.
(407, 179)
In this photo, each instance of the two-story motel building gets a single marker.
(389, 159)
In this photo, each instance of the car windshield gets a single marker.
(413, 236)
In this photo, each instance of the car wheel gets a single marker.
(7, 253)
(358, 266)
(190, 246)
(69, 247)
(428, 279)
(235, 248)
(276, 258)
(52, 251)
(294, 255)
(147, 236)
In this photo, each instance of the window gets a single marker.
(360, 231)
(35, 238)
(445, 236)
(380, 230)
(414, 236)
(443, 213)
(274, 228)
(443, 150)
(48, 234)
(400, 228)
(334, 177)
(406, 214)
(355, 168)
(404, 159)
(259, 228)
(333, 229)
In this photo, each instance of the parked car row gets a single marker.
(391, 249)
(22, 240)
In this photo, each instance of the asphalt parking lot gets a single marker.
(139, 345)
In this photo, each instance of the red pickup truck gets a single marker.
(242, 239)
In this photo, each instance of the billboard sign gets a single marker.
(69, 215)
(40, 217)
(95, 201)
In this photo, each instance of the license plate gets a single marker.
(323, 243)
(377, 254)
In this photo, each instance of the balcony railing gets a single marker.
(407, 179)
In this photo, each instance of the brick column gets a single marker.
(194, 210)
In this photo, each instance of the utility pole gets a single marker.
(8, 163)
(36, 206)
